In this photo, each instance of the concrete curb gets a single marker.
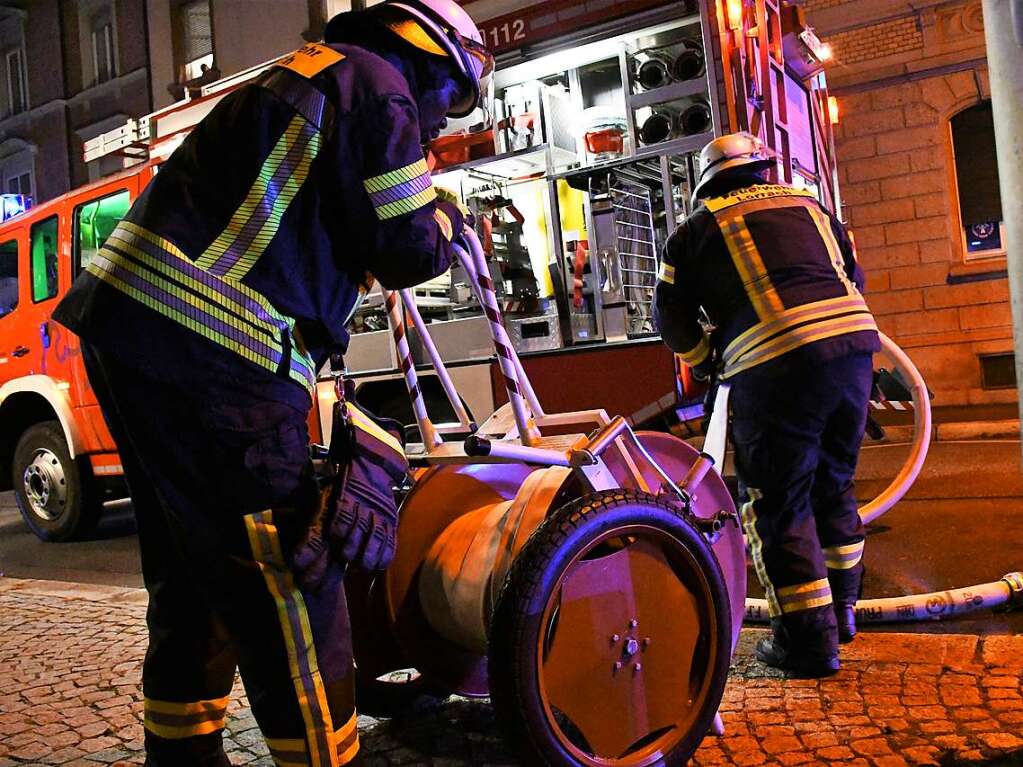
(85, 591)
(966, 431)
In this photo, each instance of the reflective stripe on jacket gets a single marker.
(772, 271)
(259, 235)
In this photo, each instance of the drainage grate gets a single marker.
(998, 371)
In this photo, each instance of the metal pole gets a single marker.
(1002, 28)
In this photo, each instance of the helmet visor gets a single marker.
(478, 65)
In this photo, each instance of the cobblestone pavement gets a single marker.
(70, 660)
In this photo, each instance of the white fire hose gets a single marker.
(939, 604)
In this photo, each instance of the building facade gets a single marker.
(919, 180)
(69, 70)
(192, 42)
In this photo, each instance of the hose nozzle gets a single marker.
(1015, 584)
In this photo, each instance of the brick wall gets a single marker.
(894, 162)
(877, 40)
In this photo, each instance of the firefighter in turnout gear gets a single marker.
(761, 284)
(204, 319)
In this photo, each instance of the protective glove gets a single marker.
(363, 527)
(448, 196)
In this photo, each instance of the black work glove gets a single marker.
(363, 528)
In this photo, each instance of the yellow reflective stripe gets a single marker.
(349, 753)
(397, 177)
(194, 285)
(754, 193)
(666, 273)
(844, 557)
(346, 729)
(748, 262)
(805, 596)
(241, 350)
(187, 709)
(806, 604)
(444, 222)
(698, 354)
(282, 202)
(290, 606)
(406, 205)
(756, 544)
(803, 588)
(797, 315)
(257, 192)
(823, 224)
(798, 337)
(180, 732)
(367, 424)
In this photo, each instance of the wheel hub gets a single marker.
(46, 485)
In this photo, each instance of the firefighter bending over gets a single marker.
(204, 319)
(777, 278)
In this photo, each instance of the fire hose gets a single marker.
(939, 604)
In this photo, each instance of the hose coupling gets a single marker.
(1015, 583)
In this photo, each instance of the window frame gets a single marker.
(22, 106)
(104, 31)
(31, 260)
(76, 242)
(16, 239)
(967, 259)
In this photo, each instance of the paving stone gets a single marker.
(70, 666)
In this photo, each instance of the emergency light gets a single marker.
(12, 205)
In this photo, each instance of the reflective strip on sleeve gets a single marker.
(666, 273)
(444, 222)
(698, 354)
(804, 596)
(843, 557)
(748, 262)
(310, 692)
(256, 221)
(401, 191)
(176, 721)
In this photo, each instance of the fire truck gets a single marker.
(579, 168)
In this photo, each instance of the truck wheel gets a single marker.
(55, 493)
(611, 640)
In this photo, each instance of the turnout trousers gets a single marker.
(797, 428)
(222, 488)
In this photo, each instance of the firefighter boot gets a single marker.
(846, 616)
(812, 656)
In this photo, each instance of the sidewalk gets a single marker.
(70, 659)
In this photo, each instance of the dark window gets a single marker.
(94, 221)
(103, 49)
(193, 38)
(20, 184)
(998, 371)
(17, 97)
(8, 277)
(43, 252)
(980, 197)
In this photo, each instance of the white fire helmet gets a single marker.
(736, 150)
(443, 28)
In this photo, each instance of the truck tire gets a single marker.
(564, 648)
(56, 494)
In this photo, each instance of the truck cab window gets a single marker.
(44, 260)
(94, 221)
(8, 277)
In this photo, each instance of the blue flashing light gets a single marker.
(12, 205)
